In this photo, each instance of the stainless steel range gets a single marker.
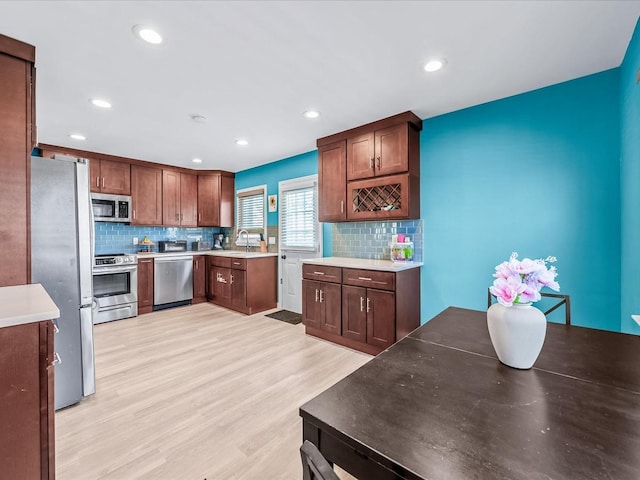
(115, 287)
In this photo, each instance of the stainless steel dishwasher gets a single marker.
(172, 281)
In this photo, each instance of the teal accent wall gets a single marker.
(630, 183)
(537, 173)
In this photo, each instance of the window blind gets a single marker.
(251, 210)
(299, 218)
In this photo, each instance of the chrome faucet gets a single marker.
(246, 237)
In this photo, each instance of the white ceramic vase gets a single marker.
(517, 333)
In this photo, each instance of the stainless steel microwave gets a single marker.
(111, 208)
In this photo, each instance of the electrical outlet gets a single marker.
(135, 240)
(272, 240)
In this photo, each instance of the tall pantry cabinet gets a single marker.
(17, 139)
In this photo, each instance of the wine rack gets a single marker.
(392, 196)
(377, 198)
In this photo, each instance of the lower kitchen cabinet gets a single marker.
(367, 310)
(199, 279)
(145, 285)
(247, 285)
(27, 402)
(321, 305)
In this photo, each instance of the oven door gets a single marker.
(115, 292)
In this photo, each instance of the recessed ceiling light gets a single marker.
(311, 114)
(147, 34)
(100, 103)
(435, 64)
(197, 160)
(242, 142)
(77, 136)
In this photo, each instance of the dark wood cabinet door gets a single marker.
(188, 200)
(146, 195)
(360, 156)
(170, 198)
(199, 277)
(331, 305)
(227, 201)
(145, 285)
(238, 280)
(208, 200)
(311, 308)
(381, 318)
(15, 151)
(95, 180)
(26, 407)
(332, 200)
(222, 285)
(391, 150)
(354, 313)
(115, 177)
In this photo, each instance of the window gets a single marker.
(251, 209)
(299, 218)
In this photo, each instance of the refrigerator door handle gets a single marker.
(88, 365)
(85, 234)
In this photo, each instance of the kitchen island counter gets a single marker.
(362, 263)
(22, 304)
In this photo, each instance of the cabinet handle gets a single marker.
(97, 182)
(318, 273)
(231, 277)
(379, 163)
(364, 278)
(55, 326)
(321, 299)
(56, 359)
(199, 217)
(316, 295)
(371, 162)
(102, 182)
(361, 304)
(197, 265)
(134, 214)
(368, 305)
(341, 206)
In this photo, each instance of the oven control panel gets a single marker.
(114, 260)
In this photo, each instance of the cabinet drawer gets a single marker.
(239, 263)
(322, 273)
(215, 261)
(369, 278)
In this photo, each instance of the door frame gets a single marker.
(292, 184)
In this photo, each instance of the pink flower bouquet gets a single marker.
(520, 281)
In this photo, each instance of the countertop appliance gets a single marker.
(111, 208)
(61, 246)
(200, 246)
(172, 281)
(167, 246)
(115, 287)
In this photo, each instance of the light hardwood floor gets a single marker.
(197, 392)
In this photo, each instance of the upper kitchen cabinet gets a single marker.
(216, 199)
(332, 179)
(371, 172)
(179, 199)
(146, 195)
(17, 137)
(110, 177)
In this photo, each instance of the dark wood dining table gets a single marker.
(438, 404)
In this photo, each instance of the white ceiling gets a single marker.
(252, 68)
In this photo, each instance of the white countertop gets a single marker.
(363, 263)
(25, 304)
(218, 253)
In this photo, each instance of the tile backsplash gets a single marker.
(371, 239)
(114, 237)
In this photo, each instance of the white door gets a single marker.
(300, 236)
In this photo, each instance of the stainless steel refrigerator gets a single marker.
(61, 260)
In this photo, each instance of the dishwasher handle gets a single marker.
(173, 259)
